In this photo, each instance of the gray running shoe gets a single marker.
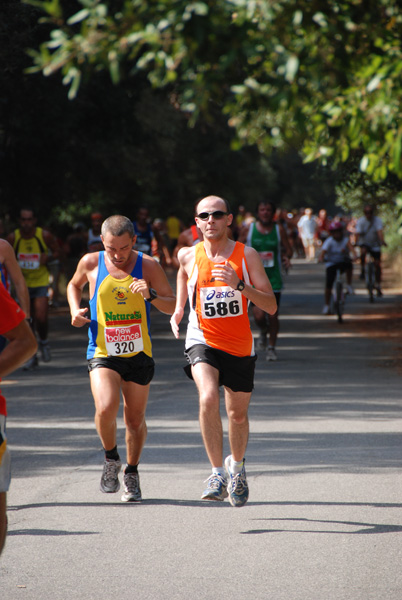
(132, 490)
(31, 364)
(217, 488)
(45, 351)
(110, 477)
(238, 487)
(271, 354)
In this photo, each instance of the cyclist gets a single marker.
(370, 238)
(335, 253)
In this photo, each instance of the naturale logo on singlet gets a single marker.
(112, 318)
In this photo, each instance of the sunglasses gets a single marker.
(217, 214)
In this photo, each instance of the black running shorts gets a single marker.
(235, 372)
(138, 369)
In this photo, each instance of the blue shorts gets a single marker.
(5, 459)
(42, 291)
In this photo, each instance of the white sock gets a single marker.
(218, 471)
(236, 467)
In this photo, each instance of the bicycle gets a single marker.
(338, 295)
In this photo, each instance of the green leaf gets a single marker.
(79, 16)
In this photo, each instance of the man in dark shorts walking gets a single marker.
(220, 276)
(122, 285)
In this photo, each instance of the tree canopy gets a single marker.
(118, 147)
(322, 78)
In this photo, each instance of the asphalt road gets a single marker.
(324, 519)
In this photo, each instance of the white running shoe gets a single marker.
(237, 485)
(271, 354)
(216, 488)
(325, 310)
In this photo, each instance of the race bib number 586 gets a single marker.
(121, 341)
(220, 302)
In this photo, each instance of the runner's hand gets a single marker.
(226, 273)
(175, 321)
(140, 286)
(78, 319)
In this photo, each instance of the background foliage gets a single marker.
(263, 85)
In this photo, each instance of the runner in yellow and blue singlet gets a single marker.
(119, 319)
(122, 285)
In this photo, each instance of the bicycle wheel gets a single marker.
(370, 280)
(339, 301)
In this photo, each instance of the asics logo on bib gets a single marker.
(220, 295)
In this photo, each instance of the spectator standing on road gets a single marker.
(307, 226)
(122, 285)
(268, 238)
(21, 346)
(220, 276)
(370, 238)
(34, 247)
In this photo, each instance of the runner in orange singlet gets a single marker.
(219, 276)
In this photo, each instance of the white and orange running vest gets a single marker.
(218, 313)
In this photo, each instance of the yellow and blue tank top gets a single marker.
(120, 320)
(28, 253)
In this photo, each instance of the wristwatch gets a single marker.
(240, 285)
(152, 295)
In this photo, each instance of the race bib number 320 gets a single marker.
(220, 302)
(121, 341)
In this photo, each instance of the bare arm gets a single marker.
(155, 277)
(7, 257)
(22, 345)
(75, 287)
(185, 257)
